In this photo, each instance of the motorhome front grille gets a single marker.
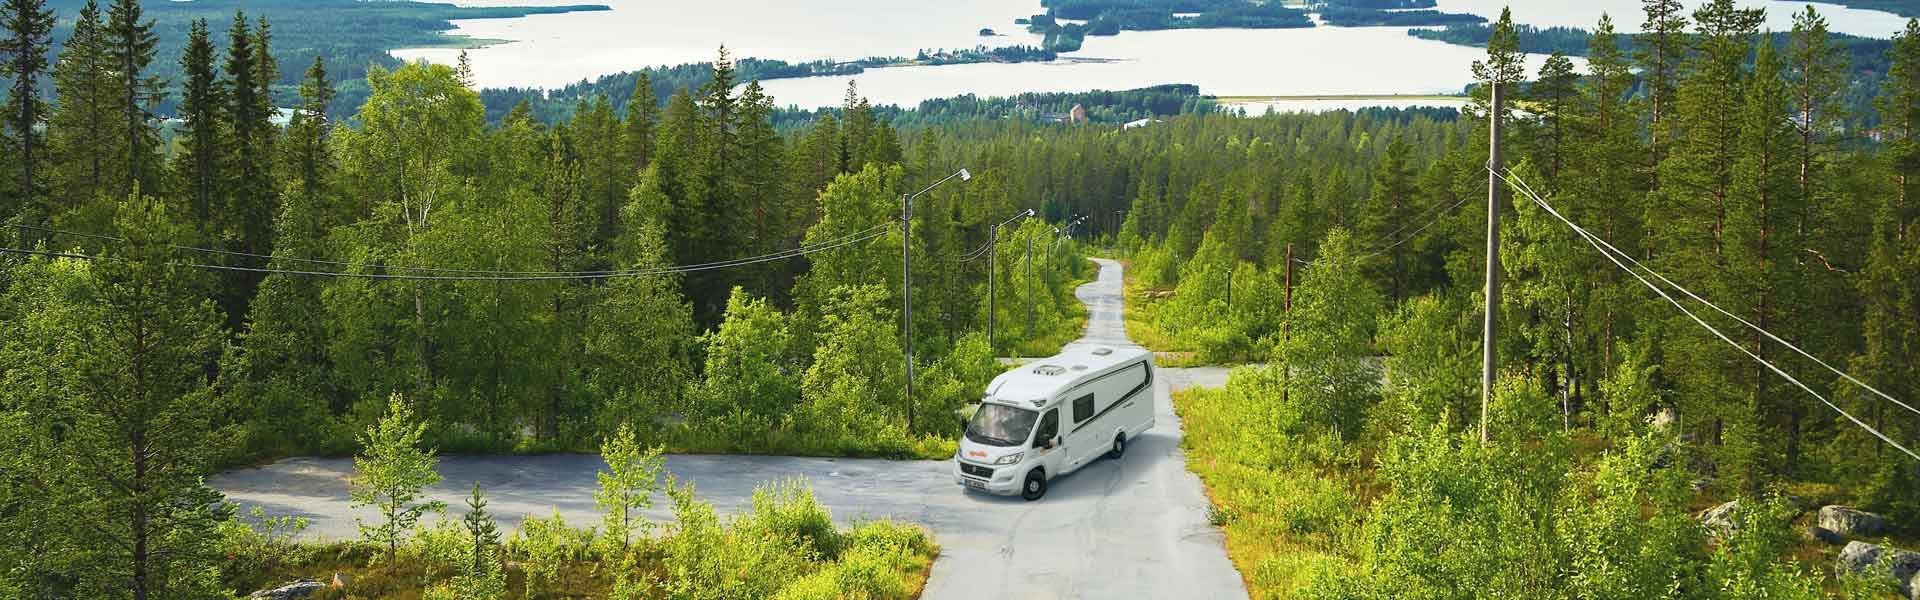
(976, 470)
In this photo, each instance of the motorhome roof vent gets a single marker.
(1102, 351)
(1049, 370)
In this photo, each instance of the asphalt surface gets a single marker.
(1129, 528)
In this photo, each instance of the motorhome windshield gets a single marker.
(1001, 425)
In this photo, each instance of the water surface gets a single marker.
(554, 50)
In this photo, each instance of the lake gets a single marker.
(554, 50)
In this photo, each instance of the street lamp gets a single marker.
(993, 266)
(906, 276)
(1050, 242)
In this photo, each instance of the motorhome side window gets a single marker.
(1083, 408)
(1049, 427)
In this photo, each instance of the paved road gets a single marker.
(1134, 528)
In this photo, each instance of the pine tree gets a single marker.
(1762, 213)
(1817, 74)
(1390, 215)
(29, 41)
(481, 531)
(1608, 189)
(249, 113)
(1891, 293)
(84, 130)
(139, 416)
(1688, 216)
(626, 486)
(201, 163)
(1555, 93)
(1505, 65)
(643, 112)
(390, 472)
(1661, 53)
(307, 153)
(130, 48)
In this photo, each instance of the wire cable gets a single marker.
(349, 265)
(1598, 246)
(790, 253)
(1444, 212)
(1689, 293)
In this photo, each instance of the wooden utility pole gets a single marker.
(1286, 323)
(1489, 354)
(906, 296)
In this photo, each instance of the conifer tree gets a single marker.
(84, 130)
(201, 163)
(390, 472)
(1660, 58)
(253, 201)
(28, 42)
(130, 48)
(1390, 214)
(643, 112)
(137, 415)
(1555, 92)
(1762, 216)
(1689, 215)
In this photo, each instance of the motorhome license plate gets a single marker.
(978, 485)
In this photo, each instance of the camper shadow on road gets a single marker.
(1102, 477)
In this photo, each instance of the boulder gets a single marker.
(1720, 520)
(1822, 534)
(291, 591)
(1852, 523)
(1862, 557)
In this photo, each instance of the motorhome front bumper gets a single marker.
(996, 480)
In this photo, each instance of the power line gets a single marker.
(974, 254)
(790, 253)
(1444, 212)
(1749, 324)
(1598, 246)
(350, 265)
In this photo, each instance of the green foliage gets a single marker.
(391, 471)
(544, 546)
(852, 379)
(626, 488)
(748, 371)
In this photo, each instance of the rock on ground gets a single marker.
(1859, 557)
(1720, 519)
(291, 591)
(1852, 523)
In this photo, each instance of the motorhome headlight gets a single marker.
(1010, 459)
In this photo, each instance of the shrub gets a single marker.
(705, 561)
(543, 546)
(788, 511)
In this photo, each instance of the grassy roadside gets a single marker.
(1281, 522)
(786, 547)
(1138, 313)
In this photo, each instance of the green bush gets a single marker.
(874, 566)
(788, 511)
(544, 546)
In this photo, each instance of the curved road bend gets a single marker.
(1133, 528)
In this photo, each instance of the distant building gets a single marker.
(1139, 123)
(1077, 115)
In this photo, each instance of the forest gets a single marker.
(425, 279)
(685, 275)
(349, 35)
(1636, 441)
(1867, 57)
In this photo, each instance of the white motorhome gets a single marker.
(1050, 417)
